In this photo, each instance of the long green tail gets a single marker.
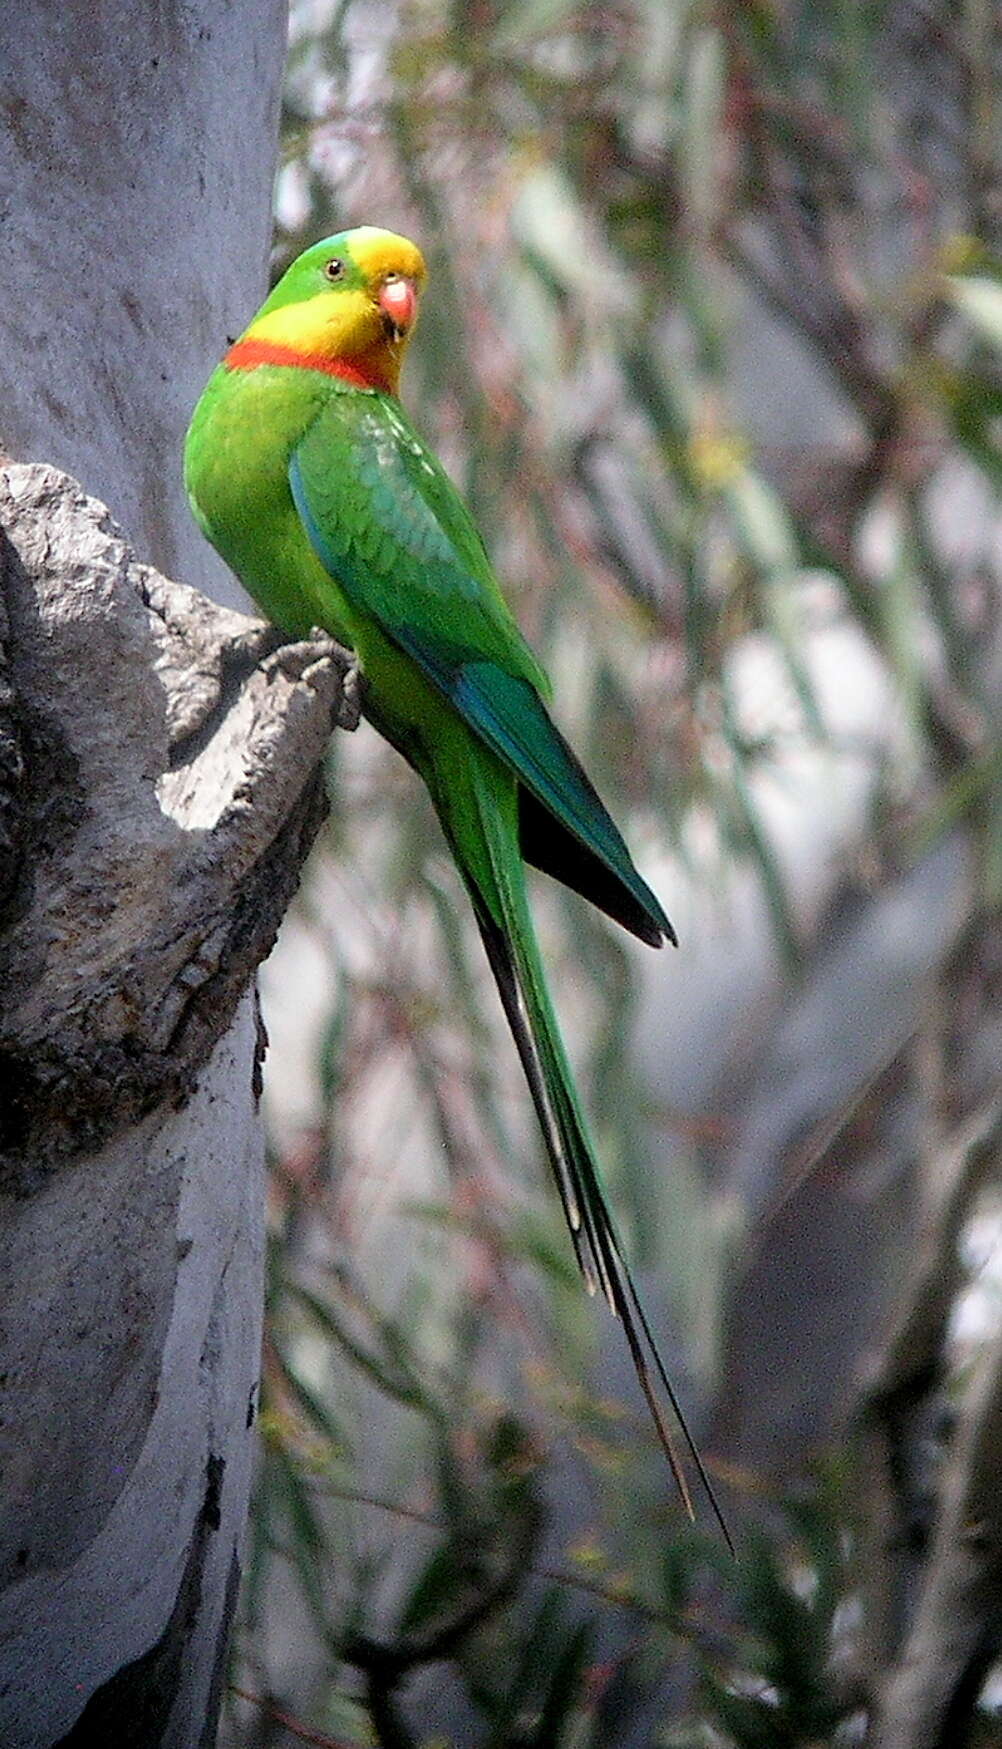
(508, 936)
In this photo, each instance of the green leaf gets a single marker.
(766, 533)
(310, 1402)
(532, 1660)
(397, 1380)
(307, 1544)
(528, 19)
(330, 1051)
(257, 1570)
(899, 600)
(750, 1721)
(761, 521)
(555, 227)
(793, 1641)
(979, 299)
(541, 1242)
(704, 103)
(438, 1587)
(759, 844)
(991, 870)
(564, 1693)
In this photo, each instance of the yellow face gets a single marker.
(353, 297)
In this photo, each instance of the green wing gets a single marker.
(388, 524)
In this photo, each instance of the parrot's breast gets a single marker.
(236, 469)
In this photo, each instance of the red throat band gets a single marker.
(248, 354)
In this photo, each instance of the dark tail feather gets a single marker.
(596, 1242)
(550, 846)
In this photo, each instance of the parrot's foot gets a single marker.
(296, 661)
(350, 708)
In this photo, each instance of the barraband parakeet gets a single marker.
(307, 476)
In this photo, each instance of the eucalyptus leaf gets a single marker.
(979, 299)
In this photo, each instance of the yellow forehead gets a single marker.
(380, 252)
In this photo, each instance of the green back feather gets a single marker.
(387, 522)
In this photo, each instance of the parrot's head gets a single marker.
(352, 299)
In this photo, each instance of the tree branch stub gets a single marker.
(159, 788)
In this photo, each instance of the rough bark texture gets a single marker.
(159, 788)
(155, 829)
(152, 816)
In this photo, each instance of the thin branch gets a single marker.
(486, 1593)
(926, 1700)
(304, 1733)
(898, 1403)
(615, 1595)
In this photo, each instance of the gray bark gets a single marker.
(954, 1639)
(154, 805)
(899, 1419)
(137, 151)
(159, 788)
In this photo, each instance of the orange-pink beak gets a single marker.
(398, 299)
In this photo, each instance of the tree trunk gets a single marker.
(138, 146)
(158, 791)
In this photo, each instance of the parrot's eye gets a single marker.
(334, 268)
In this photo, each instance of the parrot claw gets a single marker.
(350, 708)
(297, 660)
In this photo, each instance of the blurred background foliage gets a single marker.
(713, 343)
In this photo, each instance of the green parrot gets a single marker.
(305, 473)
